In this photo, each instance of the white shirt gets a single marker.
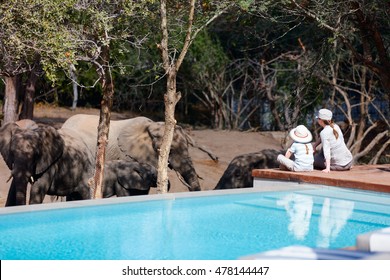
(335, 149)
(303, 154)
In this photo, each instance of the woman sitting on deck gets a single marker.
(302, 150)
(334, 154)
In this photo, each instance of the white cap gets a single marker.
(301, 134)
(324, 114)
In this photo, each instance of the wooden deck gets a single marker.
(366, 177)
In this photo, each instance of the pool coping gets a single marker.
(362, 177)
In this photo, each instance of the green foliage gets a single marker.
(206, 54)
(205, 12)
(62, 32)
(245, 4)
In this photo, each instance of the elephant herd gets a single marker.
(60, 162)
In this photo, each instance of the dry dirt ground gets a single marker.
(222, 143)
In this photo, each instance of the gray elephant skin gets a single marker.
(55, 162)
(128, 178)
(138, 138)
(238, 174)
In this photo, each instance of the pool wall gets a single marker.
(261, 185)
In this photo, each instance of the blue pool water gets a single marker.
(221, 227)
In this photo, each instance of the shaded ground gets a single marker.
(224, 144)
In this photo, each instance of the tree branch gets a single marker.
(357, 143)
(375, 159)
(164, 41)
(370, 146)
(188, 39)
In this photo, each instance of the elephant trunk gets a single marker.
(21, 172)
(182, 164)
(194, 183)
(225, 182)
(17, 192)
(191, 178)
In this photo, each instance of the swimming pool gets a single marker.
(225, 225)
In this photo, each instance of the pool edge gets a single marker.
(283, 186)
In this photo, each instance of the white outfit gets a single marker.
(335, 149)
(304, 158)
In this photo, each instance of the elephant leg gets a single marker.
(37, 194)
(108, 191)
(82, 192)
(121, 190)
(138, 192)
(74, 196)
(85, 192)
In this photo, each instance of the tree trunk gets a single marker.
(171, 97)
(29, 95)
(170, 100)
(104, 124)
(11, 103)
(73, 76)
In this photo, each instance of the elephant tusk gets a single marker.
(32, 181)
(9, 178)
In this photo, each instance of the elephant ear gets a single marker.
(180, 137)
(184, 136)
(156, 133)
(149, 174)
(135, 141)
(137, 179)
(51, 147)
(6, 134)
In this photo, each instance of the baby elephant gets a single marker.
(128, 177)
(238, 174)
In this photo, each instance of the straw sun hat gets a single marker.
(301, 134)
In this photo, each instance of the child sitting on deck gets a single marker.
(302, 150)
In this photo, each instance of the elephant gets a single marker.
(127, 178)
(138, 138)
(238, 174)
(53, 161)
